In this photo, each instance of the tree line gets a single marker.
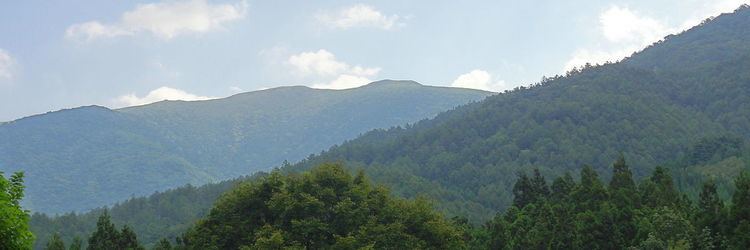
(328, 208)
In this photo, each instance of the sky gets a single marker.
(57, 54)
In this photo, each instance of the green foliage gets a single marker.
(711, 217)
(14, 220)
(162, 215)
(324, 208)
(107, 236)
(55, 243)
(76, 244)
(163, 244)
(111, 155)
(683, 103)
(583, 217)
(740, 212)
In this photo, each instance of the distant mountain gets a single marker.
(86, 157)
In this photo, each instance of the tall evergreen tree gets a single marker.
(622, 177)
(590, 193)
(76, 244)
(523, 191)
(710, 216)
(106, 235)
(659, 190)
(498, 231)
(55, 243)
(562, 187)
(539, 186)
(128, 239)
(740, 212)
(624, 196)
(163, 244)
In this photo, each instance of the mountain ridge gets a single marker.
(172, 143)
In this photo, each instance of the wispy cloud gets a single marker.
(7, 66)
(160, 94)
(165, 20)
(359, 15)
(322, 66)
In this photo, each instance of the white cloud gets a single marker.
(320, 62)
(164, 20)
(344, 82)
(479, 79)
(359, 15)
(160, 94)
(622, 25)
(7, 65)
(322, 66)
(626, 31)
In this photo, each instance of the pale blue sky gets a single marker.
(58, 54)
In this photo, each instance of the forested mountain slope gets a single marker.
(88, 157)
(650, 108)
(694, 122)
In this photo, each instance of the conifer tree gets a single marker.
(76, 244)
(624, 197)
(590, 193)
(523, 192)
(55, 243)
(107, 236)
(710, 216)
(740, 212)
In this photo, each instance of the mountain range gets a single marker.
(82, 158)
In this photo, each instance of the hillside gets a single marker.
(695, 123)
(648, 108)
(87, 157)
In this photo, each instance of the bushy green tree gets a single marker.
(324, 208)
(14, 220)
(668, 226)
